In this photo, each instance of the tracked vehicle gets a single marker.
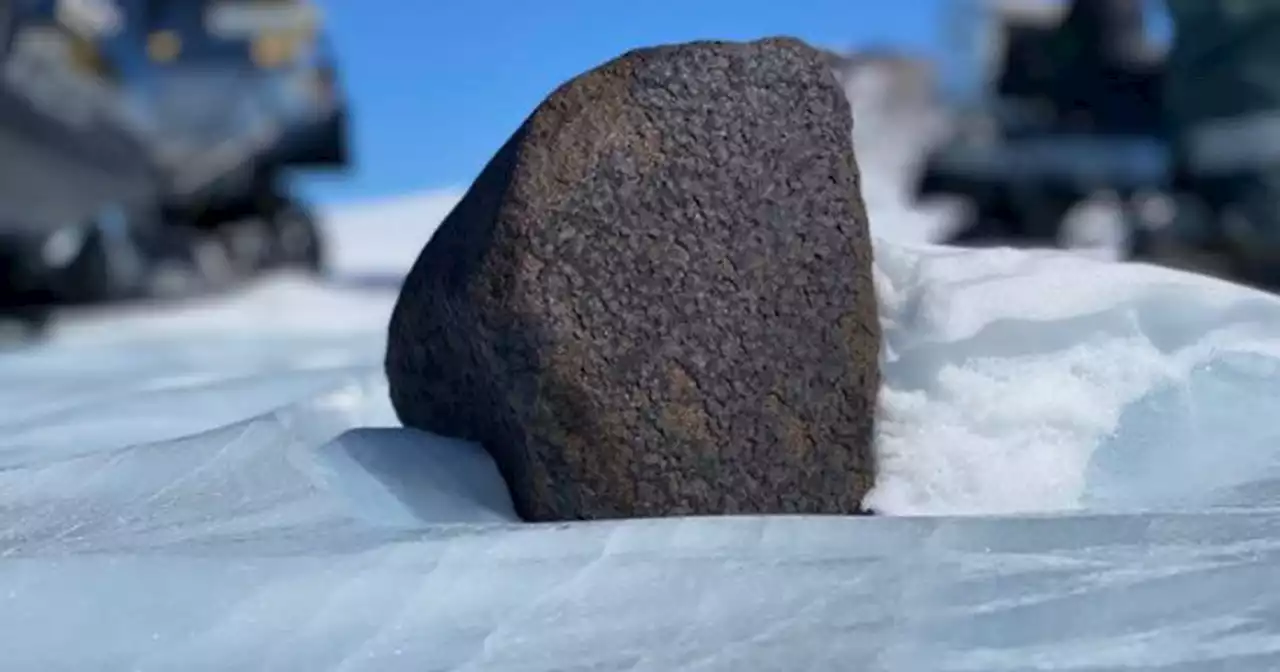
(146, 146)
(242, 95)
(1060, 121)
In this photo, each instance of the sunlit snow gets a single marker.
(221, 485)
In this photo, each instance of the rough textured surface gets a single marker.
(657, 297)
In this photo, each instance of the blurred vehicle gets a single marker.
(241, 93)
(142, 136)
(78, 192)
(1222, 100)
(1063, 114)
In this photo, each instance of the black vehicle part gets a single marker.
(296, 240)
(23, 326)
(51, 178)
(1021, 188)
(258, 227)
(74, 265)
(1093, 72)
(1004, 215)
(7, 21)
(322, 144)
(112, 265)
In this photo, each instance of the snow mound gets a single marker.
(1040, 381)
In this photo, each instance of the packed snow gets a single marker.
(222, 485)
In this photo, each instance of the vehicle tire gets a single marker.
(106, 270)
(1100, 225)
(7, 27)
(211, 260)
(249, 245)
(37, 323)
(22, 326)
(296, 240)
(988, 222)
(1255, 259)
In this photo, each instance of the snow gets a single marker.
(1077, 472)
(1026, 382)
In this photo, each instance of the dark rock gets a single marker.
(657, 297)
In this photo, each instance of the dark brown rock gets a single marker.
(657, 297)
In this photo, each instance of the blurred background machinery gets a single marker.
(1098, 125)
(1056, 112)
(146, 146)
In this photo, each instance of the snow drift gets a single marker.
(222, 485)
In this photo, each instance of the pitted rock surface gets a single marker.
(657, 297)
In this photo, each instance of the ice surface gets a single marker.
(222, 486)
(1174, 592)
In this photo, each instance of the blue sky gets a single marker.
(438, 85)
